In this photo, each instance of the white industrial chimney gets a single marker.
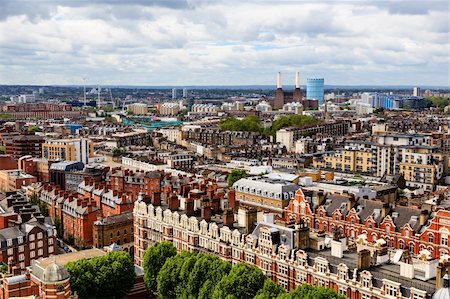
(279, 80)
(297, 80)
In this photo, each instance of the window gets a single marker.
(50, 241)
(31, 245)
(430, 238)
(31, 237)
(282, 269)
(21, 248)
(50, 250)
(9, 242)
(39, 235)
(40, 244)
(32, 254)
(21, 257)
(411, 247)
(40, 252)
(10, 251)
(391, 290)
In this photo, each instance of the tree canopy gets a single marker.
(249, 124)
(235, 175)
(438, 102)
(197, 275)
(253, 123)
(109, 276)
(154, 258)
(306, 291)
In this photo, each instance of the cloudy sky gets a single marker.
(229, 42)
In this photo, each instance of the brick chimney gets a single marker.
(189, 207)
(173, 202)
(228, 218)
(232, 199)
(156, 198)
(206, 213)
(215, 204)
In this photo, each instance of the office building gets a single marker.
(315, 89)
(416, 91)
(78, 149)
(185, 92)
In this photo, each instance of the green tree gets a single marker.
(306, 291)
(154, 258)
(168, 279)
(33, 129)
(438, 102)
(249, 124)
(118, 151)
(206, 273)
(270, 290)
(109, 276)
(235, 175)
(243, 281)
(5, 115)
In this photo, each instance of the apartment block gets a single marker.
(77, 149)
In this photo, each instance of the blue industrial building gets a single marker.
(315, 89)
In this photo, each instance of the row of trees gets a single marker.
(204, 276)
(438, 102)
(253, 123)
(108, 276)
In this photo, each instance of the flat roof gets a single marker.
(65, 258)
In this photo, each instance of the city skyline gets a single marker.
(198, 43)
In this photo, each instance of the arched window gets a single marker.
(125, 232)
(411, 247)
(430, 238)
(118, 233)
(401, 245)
(111, 235)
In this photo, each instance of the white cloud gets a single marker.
(224, 42)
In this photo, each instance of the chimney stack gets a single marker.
(173, 202)
(189, 207)
(228, 218)
(206, 213)
(363, 259)
(279, 84)
(297, 80)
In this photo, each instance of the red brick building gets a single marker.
(18, 144)
(401, 227)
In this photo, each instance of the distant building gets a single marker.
(295, 107)
(18, 145)
(315, 89)
(41, 110)
(78, 149)
(138, 108)
(170, 109)
(416, 91)
(282, 97)
(263, 106)
(174, 93)
(185, 92)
